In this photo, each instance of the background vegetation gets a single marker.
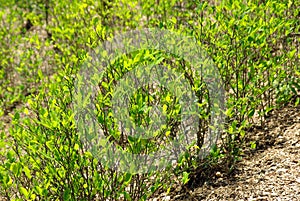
(254, 44)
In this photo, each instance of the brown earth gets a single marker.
(270, 172)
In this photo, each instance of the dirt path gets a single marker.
(271, 172)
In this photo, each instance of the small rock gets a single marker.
(281, 171)
(218, 174)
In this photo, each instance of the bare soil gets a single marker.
(269, 172)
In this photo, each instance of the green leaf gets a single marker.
(27, 172)
(10, 155)
(38, 190)
(40, 74)
(17, 116)
(15, 168)
(185, 177)
(76, 147)
(292, 53)
(49, 144)
(251, 113)
(24, 192)
(127, 178)
(67, 194)
(252, 145)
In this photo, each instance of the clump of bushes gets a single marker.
(255, 46)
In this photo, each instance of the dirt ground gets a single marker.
(270, 172)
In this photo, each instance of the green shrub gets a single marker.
(254, 44)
